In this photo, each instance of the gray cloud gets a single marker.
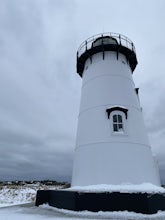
(38, 123)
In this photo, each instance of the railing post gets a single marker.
(92, 43)
(132, 47)
(126, 43)
(102, 46)
(119, 39)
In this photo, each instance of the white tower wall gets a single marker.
(103, 156)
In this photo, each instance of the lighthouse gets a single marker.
(112, 145)
(113, 169)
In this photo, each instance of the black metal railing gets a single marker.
(121, 40)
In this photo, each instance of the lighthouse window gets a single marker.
(104, 40)
(117, 123)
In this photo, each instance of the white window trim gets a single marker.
(118, 133)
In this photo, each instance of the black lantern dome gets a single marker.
(106, 42)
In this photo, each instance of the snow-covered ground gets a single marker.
(13, 194)
(46, 212)
(16, 196)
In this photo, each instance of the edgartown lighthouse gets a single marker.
(112, 145)
(114, 169)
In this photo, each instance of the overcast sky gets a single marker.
(39, 87)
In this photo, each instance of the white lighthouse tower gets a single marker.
(112, 145)
(114, 169)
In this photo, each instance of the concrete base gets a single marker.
(78, 201)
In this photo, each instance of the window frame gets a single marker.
(123, 123)
(117, 121)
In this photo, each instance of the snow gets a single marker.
(19, 195)
(121, 215)
(114, 106)
(123, 188)
(14, 195)
(46, 212)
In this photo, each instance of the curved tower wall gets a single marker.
(103, 156)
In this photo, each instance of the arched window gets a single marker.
(118, 116)
(117, 123)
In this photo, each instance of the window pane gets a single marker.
(115, 127)
(119, 118)
(115, 118)
(120, 126)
